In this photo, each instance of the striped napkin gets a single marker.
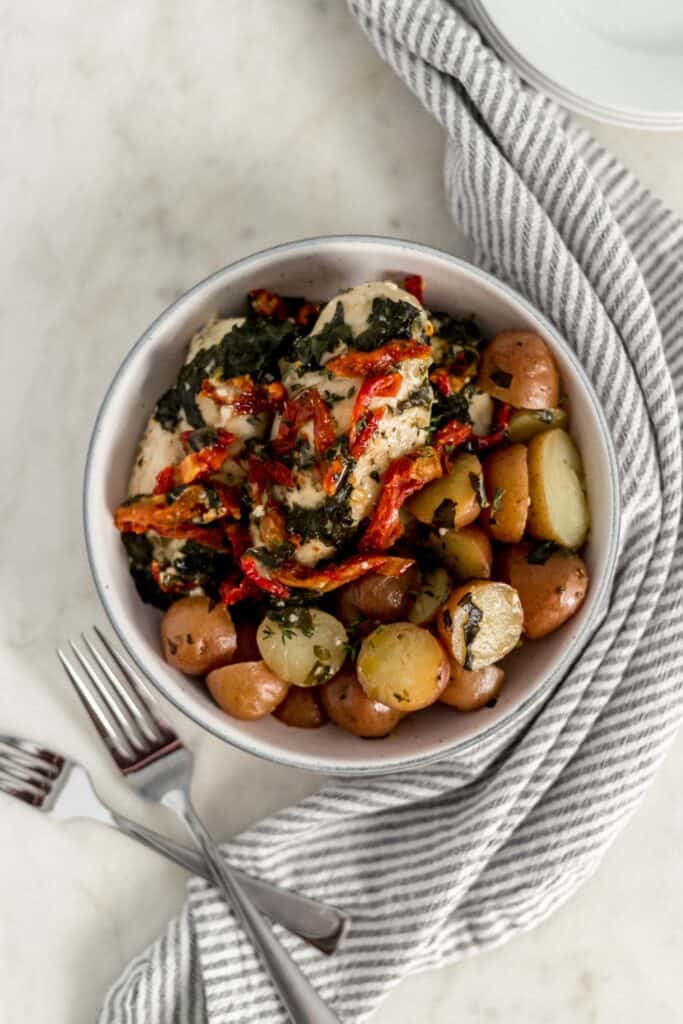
(440, 863)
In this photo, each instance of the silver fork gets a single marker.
(159, 768)
(64, 790)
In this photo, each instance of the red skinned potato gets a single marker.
(506, 478)
(378, 598)
(248, 690)
(301, 709)
(517, 367)
(469, 691)
(550, 591)
(351, 709)
(197, 635)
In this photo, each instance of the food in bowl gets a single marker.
(354, 510)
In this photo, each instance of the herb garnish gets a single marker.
(464, 332)
(444, 515)
(477, 484)
(497, 501)
(544, 415)
(309, 350)
(471, 627)
(540, 553)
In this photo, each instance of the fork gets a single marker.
(159, 768)
(63, 788)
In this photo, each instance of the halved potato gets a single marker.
(506, 477)
(526, 423)
(454, 499)
(248, 690)
(480, 623)
(434, 588)
(469, 691)
(467, 552)
(402, 666)
(517, 367)
(301, 709)
(305, 646)
(559, 508)
(551, 591)
(350, 708)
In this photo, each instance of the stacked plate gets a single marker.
(620, 62)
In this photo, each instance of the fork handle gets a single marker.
(315, 922)
(303, 1003)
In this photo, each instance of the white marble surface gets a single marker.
(144, 145)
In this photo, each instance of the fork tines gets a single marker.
(27, 771)
(117, 701)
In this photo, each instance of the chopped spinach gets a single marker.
(422, 395)
(252, 347)
(272, 559)
(310, 349)
(472, 624)
(331, 521)
(202, 438)
(455, 407)
(462, 331)
(139, 550)
(388, 319)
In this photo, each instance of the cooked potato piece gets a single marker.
(559, 509)
(467, 552)
(349, 707)
(306, 648)
(434, 588)
(526, 423)
(197, 635)
(469, 691)
(402, 666)
(517, 367)
(301, 709)
(248, 690)
(454, 499)
(506, 477)
(376, 597)
(480, 623)
(550, 591)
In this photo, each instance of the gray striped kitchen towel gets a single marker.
(440, 863)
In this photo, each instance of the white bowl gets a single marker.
(318, 268)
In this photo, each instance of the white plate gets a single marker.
(619, 62)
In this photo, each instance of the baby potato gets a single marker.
(197, 635)
(480, 623)
(506, 476)
(453, 499)
(377, 597)
(402, 666)
(434, 588)
(301, 709)
(469, 691)
(517, 367)
(350, 708)
(248, 690)
(559, 508)
(550, 592)
(526, 423)
(307, 648)
(467, 552)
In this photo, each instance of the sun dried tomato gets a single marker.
(250, 568)
(379, 386)
(381, 360)
(195, 506)
(450, 437)
(415, 285)
(301, 410)
(404, 477)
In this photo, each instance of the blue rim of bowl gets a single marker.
(574, 649)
